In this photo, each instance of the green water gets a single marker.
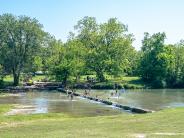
(55, 102)
(153, 99)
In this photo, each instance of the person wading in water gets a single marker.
(116, 88)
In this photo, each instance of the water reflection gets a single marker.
(41, 105)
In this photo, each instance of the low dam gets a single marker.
(126, 108)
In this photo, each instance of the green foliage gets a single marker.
(66, 60)
(1, 72)
(75, 55)
(37, 63)
(107, 46)
(1, 75)
(94, 49)
(62, 72)
(154, 60)
(20, 38)
(175, 76)
(162, 65)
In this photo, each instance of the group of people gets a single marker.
(117, 93)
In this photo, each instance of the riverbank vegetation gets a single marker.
(101, 50)
(122, 81)
(125, 125)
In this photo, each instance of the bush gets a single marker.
(158, 84)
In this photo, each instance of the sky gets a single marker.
(59, 16)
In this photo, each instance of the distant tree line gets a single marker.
(91, 48)
(162, 65)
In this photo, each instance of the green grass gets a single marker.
(163, 124)
(39, 77)
(127, 82)
(4, 119)
(4, 108)
(8, 78)
(7, 81)
(123, 81)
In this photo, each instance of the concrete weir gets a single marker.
(126, 108)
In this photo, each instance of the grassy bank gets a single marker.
(166, 123)
(122, 81)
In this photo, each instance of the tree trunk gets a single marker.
(77, 78)
(64, 82)
(100, 76)
(16, 79)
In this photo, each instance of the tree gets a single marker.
(175, 76)
(1, 73)
(75, 55)
(66, 59)
(155, 59)
(179, 60)
(20, 39)
(37, 63)
(133, 69)
(108, 45)
(52, 57)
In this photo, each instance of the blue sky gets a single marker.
(59, 16)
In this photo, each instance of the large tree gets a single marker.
(179, 62)
(52, 57)
(175, 77)
(155, 60)
(20, 38)
(108, 45)
(66, 59)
